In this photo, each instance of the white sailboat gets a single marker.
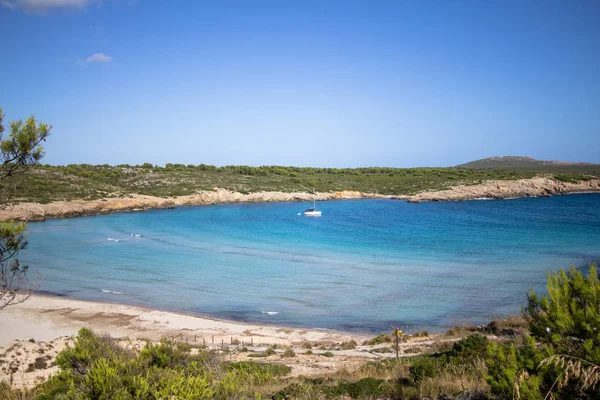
(313, 212)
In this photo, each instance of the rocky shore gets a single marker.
(497, 189)
(500, 189)
(67, 209)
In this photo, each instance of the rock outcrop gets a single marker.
(500, 189)
(66, 209)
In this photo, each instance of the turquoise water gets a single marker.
(365, 265)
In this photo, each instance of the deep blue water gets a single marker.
(365, 265)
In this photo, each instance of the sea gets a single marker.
(363, 266)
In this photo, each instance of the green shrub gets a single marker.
(364, 388)
(422, 368)
(471, 346)
(379, 339)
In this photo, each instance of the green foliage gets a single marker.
(86, 181)
(472, 346)
(379, 339)
(568, 317)
(422, 368)
(18, 153)
(259, 369)
(97, 367)
(506, 361)
(572, 178)
(363, 388)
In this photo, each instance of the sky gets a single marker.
(326, 83)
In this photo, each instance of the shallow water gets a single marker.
(365, 265)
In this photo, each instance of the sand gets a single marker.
(34, 332)
(44, 318)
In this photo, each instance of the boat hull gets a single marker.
(312, 213)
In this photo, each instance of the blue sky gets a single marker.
(307, 83)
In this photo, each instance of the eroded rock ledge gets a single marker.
(499, 189)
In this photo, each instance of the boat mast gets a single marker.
(314, 196)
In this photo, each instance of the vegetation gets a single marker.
(516, 163)
(19, 152)
(52, 183)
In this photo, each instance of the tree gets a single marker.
(18, 153)
(568, 317)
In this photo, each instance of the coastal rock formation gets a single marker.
(496, 189)
(501, 189)
(66, 209)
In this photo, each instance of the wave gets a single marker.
(110, 291)
(113, 239)
(270, 312)
(135, 235)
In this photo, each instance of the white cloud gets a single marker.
(45, 6)
(98, 58)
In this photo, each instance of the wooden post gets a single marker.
(397, 334)
(213, 339)
(252, 341)
(222, 344)
(195, 338)
(203, 342)
(231, 340)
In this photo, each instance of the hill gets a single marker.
(531, 164)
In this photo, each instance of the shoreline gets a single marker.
(212, 317)
(501, 189)
(492, 190)
(36, 212)
(46, 317)
(34, 333)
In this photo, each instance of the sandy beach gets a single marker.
(34, 332)
(44, 318)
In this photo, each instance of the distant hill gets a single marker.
(530, 164)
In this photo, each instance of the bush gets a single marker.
(471, 346)
(422, 368)
(96, 367)
(288, 353)
(379, 339)
(349, 345)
